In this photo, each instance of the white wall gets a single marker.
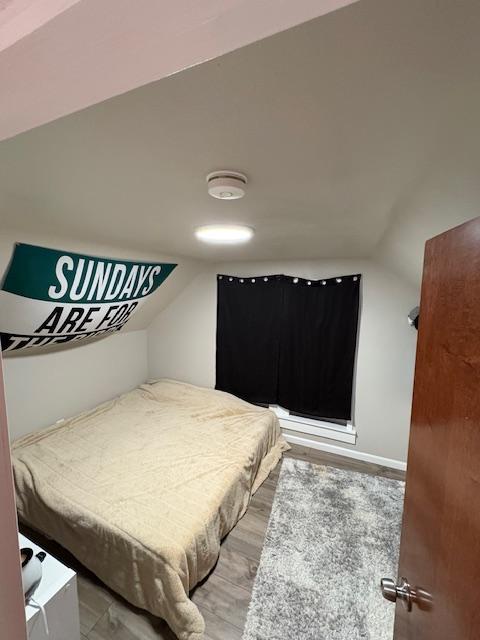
(181, 344)
(12, 612)
(45, 387)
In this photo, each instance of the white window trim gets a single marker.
(321, 428)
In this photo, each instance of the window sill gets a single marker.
(319, 428)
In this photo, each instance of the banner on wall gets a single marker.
(49, 297)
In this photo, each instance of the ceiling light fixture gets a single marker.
(226, 185)
(224, 233)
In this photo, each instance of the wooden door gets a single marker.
(440, 548)
(12, 608)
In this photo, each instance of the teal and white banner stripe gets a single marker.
(51, 297)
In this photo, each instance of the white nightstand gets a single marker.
(57, 593)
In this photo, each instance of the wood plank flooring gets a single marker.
(223, 597)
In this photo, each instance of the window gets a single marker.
(289, 341)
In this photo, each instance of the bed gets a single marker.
(143, 488)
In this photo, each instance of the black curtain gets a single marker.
(318, 344)
(249, 312)
(289, 341)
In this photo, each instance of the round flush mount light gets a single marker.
(224, 233)
(226, 185)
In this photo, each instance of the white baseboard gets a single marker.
(349, 453)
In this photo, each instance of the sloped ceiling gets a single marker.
(20, 18)
(358, 132)
(446, 192)
(60, 56)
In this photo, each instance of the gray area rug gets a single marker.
(331, 537)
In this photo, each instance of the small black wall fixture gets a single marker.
(413, 317)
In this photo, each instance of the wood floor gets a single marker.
(222, 598)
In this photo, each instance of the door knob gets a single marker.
(394, 592)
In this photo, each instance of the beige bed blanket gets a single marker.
(142, 489)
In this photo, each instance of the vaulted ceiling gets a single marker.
(358, 132)
(60, 56)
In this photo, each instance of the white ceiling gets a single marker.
(20, 18)
(60, 56)
(334, 122)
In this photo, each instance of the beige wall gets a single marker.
(181, 344)
(46, 387)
